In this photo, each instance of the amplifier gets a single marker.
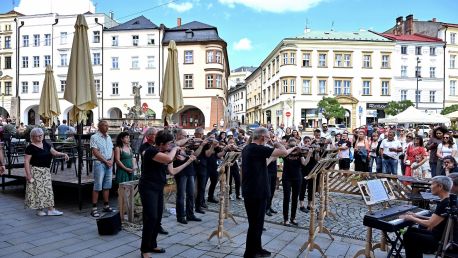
(109, 223)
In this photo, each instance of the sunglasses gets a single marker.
(409, 136)
(446, 137)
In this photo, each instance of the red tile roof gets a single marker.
(414, 37)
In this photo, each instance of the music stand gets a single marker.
(228, 161)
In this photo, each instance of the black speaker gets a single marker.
(109, 223)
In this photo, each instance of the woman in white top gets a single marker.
(446, 148)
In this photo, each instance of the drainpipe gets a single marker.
(103, 62)
(18, 30)
(445, 46)
(52, 41)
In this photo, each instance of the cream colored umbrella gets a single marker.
(171, 95)
(49, 102)
(80, 89)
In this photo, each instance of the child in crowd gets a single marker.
(419, 171)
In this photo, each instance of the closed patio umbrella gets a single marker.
(49, 102)
(171, 95)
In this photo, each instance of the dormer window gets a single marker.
(189, 34)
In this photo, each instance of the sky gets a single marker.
(252, 28)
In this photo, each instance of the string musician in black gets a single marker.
(272, 176)
(255, 187)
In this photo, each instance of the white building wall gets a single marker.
(7, 29)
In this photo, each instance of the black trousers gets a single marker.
(201, 178)
(213, 176)
(360, 164)
(418, 241)
(304, 185)
(153, 205)
(291, 190)
(273, 185)
(235, 174)
(185, 195)
(255, 210)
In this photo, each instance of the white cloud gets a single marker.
(183, 7)
(243, 44)
(274, 6)
(209, 6)
(61, 7)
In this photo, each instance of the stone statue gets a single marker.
(135, 111)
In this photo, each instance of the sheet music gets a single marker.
(377, 191)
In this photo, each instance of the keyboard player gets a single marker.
(425, 239)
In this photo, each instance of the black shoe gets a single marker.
(199, 210)
(263, 253)
(303, 209)
(204, 205)
(162, 231)
(264, 229)
(194, 218)
(158, 250)
(268, 213)
(212, 200)
(273, 211)
(182, 220)
(238, 197)
(293, 222)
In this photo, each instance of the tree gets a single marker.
(449, 109)
(395, 107)
(331, 108)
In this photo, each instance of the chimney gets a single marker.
(111, 15)
(434, 20)
(399, 25)
(178, 22)
(409, 24)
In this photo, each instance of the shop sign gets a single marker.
(376, 105)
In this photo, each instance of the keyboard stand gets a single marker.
(394, 248)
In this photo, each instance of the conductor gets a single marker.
(255, 187)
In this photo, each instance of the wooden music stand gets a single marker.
(228, 161)
(370, 198)
(317, 174)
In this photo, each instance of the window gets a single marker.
(218, 57)
(97, 85)
(273, 67)
(7, 42)
(114, 41)
(367, 61)
(25, 87)
(96, 58)
(188, 57)
(214, 81)
(366, 87)
(188, 81)
(63, 38)
(115, 62)
(63, 84)
(151, 88)
(36, 61)
(47, 39)
(418, 71)
(404, 50)
(135, 40)
(342, 60)
(8, 88)
(36, 87)
(403, 95)
(322, 87)
(347, 60)
(36, 40)
(418, 96)
(452, 87)
(452, 38)
(63, 60)
(338, 87)
(268, 71)
(134, 62)
(432, 72)
(403, 71)
(213, 56)
(25, 40)
(292, 58)
(285, 58)
(418, 51)
(306, 60)
(285, 86)
(385, 88)
(306, 88)
(322, 60)
(338, 60)
(150, 38)
(385, 61)
(96, 36)
(134, 85)
(150, 64)
(25, 62)
(114, 88)
(432, 96)
(432, 51)
(347, 87)
(452, 61)
(47, 60)
(7, 62)
(210, 57)
(342, 87)
(278, 63)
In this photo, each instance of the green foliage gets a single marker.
(331, 108)
(449, 109)
(395, 107)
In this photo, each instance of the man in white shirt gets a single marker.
(280, 131)
(389, 150)
(325, 132)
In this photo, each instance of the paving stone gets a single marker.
(116, 252)
(40, 249)
(51, 254)
(82, 253)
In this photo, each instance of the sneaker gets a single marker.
(41, 213)
(263, 253)
(231, 197)
(54, 212)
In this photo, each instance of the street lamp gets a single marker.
(217, 104)
(418, 77)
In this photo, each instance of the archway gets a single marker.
(4, 113)
(31, 116)
(243, 119)
(115, 113)
(346, 120)
(190, 117)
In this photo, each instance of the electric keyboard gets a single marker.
(388, 219)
